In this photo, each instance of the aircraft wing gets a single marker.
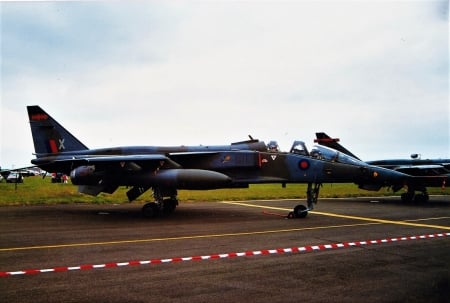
(134, 162)
(421, 167)
(434, 181)
(140, 161)
(105, 171)
(422, 170)
(107, 164)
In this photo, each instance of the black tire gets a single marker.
(150, 210)
(169, 206)
(421, 198)
(407, 197)
(300, 211)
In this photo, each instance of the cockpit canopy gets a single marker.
(299, 148)
(329, 154)
(324, 153)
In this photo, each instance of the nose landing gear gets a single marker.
(312, 195)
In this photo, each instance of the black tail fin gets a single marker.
(325, 140)
(49, 136)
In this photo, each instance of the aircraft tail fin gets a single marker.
(325, 140)
(50, 137)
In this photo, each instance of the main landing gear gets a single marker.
(167, 206)
(161, 206)
(411, 196)
(312, 195)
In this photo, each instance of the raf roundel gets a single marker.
(303, 164)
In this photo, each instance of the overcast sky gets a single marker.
(373, 73)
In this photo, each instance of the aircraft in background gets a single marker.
(425, 172)
(165, 170)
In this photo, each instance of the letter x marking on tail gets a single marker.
(61, 144)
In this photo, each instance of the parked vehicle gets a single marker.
(14, 177)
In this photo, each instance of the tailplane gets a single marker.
(325, 140)
(49, 137)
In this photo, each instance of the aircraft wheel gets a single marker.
(407, 197)
(421, 198)
(169, 206)
(300, 211)
(150, 210)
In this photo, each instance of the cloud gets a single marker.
(373, 73)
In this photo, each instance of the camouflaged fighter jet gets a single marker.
(424, 172)
(164, 170)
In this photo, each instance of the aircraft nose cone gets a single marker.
(374, 178)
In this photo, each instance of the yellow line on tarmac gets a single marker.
(256, 206)
(348, 217)
(382, 220)
(179, 238)
(370, 221)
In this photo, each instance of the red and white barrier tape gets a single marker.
(307, 248)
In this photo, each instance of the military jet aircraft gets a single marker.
(425, 172)
(165, 170)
